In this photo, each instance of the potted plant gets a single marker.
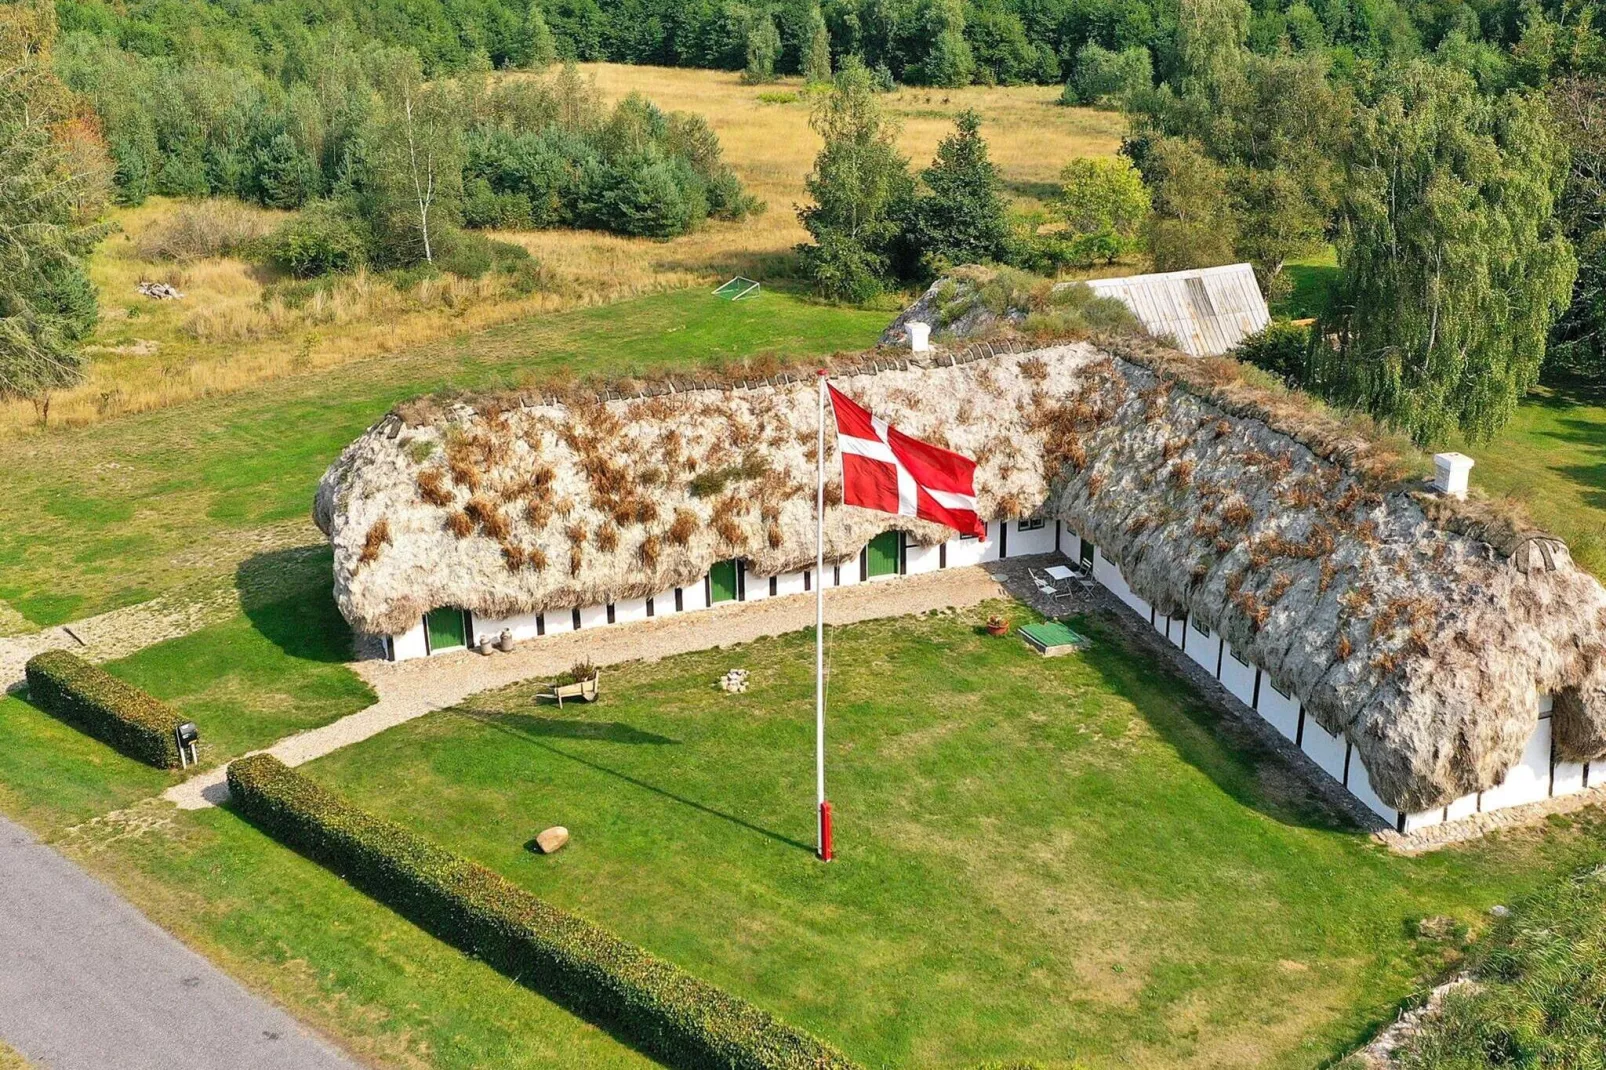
(997, 625)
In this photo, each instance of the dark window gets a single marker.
(1199, 626)
(1033, 524)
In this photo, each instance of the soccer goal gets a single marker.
(737, 288)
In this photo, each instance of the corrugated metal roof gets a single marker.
(1206, 311)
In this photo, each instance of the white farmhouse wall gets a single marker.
(1325, 749)
(1023, 541)
(1203, 647)
(631, 609)
(790, 583)
(409, 644)
(593, 617)
(522, 625)
(1239, 678)
(1529, 779)
(1465, 806)
(1360, 786)
(1280, 711)
(693, 598)
(922, 559)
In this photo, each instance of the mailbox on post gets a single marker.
(188, 736)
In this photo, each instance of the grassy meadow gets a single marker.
(124, 510)
(240, 323)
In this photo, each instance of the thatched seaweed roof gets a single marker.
(1420, 628)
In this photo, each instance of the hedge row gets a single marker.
(94, 701)
(655, 1005)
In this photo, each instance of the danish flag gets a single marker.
(885, 469)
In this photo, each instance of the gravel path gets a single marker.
(87, 982)
(411, 689)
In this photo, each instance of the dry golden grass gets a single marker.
(224, 336)
(770, 145)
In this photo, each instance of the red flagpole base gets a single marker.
(825, 832)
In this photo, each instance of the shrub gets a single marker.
(1281, 347)
(1104, 78)
(664, 1010)
(321, 240)
(204, 229)
(95, 702)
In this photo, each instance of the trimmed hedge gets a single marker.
(96, 702)
(654, 1004)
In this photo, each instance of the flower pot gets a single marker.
(997, 628)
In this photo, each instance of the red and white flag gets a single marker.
(885, 469)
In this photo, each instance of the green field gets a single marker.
(119, 512)
(1061, 859)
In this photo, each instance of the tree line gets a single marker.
(1463, 190)
(924, 42)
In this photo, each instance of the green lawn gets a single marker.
(1052, 859)
(1553, 456)
(284, 926)
(116, 513)
(269, 671)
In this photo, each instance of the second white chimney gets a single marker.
(1451, 471)
(919, 336)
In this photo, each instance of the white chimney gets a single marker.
(919, 336)
(1452, 470)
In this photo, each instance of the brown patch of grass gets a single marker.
(683, 527)
(432, 487)
(607, 538)
(377, 538)
(459, 524)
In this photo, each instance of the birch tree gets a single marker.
(1453, 264)
(417, 173)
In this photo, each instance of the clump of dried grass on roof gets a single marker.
(1299, 536)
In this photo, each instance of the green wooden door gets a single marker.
(446, 628)
(722, 582)
(883, 554)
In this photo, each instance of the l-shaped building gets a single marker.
(1431, 655)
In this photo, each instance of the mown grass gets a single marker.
(269, 671)
(1552, 457)
(1060, 860)
(112, 514)
(264, 674)
(383, 989)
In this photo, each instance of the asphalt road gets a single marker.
(87, 982)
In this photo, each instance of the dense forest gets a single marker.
(944, 42)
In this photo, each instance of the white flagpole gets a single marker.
(824, 826)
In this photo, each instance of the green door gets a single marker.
(446, 628)
(883, 554)
(722, 582)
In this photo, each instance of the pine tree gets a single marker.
(961, 218)
(53, 179)
(860, 185)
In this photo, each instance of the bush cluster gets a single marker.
(93, 701)
(538, 161)
(660, 1007)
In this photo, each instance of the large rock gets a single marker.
(552, 840)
